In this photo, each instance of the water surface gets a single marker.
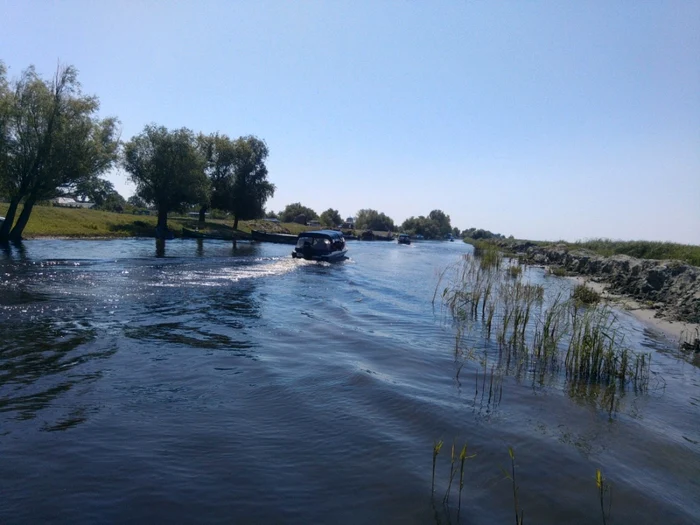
(222, 385)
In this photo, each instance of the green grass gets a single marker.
(52, 221)
(688, 253)
(642, 249)
(584, 295)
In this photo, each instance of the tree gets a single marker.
(331, 218)
(421, 225)
(271, 215)
(136, 201)
(51, 140)
(93, 189)
(292, 211)
(368, 219)
(167, 168)
(238, 175)
(442, 220)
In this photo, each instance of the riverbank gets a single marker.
(72, 223)
(663, 293)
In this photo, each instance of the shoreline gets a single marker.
(675, 330)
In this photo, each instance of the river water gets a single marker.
(242, 386)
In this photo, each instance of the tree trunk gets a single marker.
(9, 219)
(16, 233)
(235, 222)
(162, 220)
(202, 215)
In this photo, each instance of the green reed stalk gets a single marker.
(437, 445)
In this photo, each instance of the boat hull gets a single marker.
(330, 257)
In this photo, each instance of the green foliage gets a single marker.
(643, 249)
(331, 218)
(585, 295)
(292, 211)
(136, 201)
(559, 271)
(167, 168)
(435, 226)
(478, 233)
(442, 220)
(50, 140)
(238, 175)
(368, 219)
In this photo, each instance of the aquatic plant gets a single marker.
(585, 295)
(541, 337)
(603, 489)
(557, 271)
(437, 446)
(462, 458)
(519, 513)
(515, 270)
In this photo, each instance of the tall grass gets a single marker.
(567, 335)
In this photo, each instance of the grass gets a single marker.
(688, 253)
(642, 249)
(53, 221)
(582, 294)
(557, 271)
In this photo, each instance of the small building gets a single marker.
(313, 223)
(349, 224)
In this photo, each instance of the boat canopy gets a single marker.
(323, 234)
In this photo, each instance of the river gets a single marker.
(241, 386)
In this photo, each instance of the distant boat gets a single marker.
(321, 245)
(404, 239)
(279, 238)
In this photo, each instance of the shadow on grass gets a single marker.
(133, 229)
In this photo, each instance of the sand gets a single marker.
(677, 331)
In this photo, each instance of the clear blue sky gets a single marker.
(543, 120)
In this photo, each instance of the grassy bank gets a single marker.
(50, 221)
(688, 253)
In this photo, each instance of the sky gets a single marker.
(541, 119)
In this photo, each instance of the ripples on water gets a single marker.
(244, 386)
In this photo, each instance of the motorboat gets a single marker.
(404, 239)
(321, 245)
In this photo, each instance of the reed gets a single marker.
(515, 271)
(519, 513)
(564, 336)
(604, 489)
(437, 446)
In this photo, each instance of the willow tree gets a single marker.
(168, 170)
(51, 140)
(238, 175)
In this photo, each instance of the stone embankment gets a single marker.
(670, 287)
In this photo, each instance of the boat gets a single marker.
(279, 238)
(404, 239)
(320, 245)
